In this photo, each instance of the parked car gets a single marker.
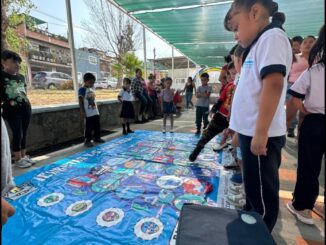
(108, 83)
(50, 80)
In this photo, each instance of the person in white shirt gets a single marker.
(258, 114)
(310, 87)
(127, 110)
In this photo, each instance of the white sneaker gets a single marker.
(28, 159)
(146, 116)
(22, 163)
(304, 216)
(140, 118)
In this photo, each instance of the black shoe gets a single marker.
(124, 132)
(129, 131)
(194, 154)
(291, 133)
(99, 140)
(88, 144)
(197, 132)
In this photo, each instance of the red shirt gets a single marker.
(225, 96)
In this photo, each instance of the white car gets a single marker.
(107, 83)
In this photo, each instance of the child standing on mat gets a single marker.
(127, 109)
(167, 95)
(202, 105)
(89, 110)
(258, 114)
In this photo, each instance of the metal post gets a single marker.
(188, 68)
(172, 63)
(154, 61)
(145, 58)
(72, 48)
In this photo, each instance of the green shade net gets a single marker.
(199, 32)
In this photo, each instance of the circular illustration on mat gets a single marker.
(135, 164)
(79, 207)
(188, 198)
(50, 199)
(169, 182)
(177, 170)
(110, 217)
(148, 228)
(166, 196)
(154, 167)
(105, 185)
(193, 186)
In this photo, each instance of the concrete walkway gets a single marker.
(287, 231)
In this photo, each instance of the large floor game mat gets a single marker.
(126, 191)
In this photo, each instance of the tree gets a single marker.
(127, 66)
(13, 13)
(110, 30)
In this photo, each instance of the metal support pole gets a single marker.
(172, 63)
(72, 49)
(154, 61)
(145, 58)
(188, 69)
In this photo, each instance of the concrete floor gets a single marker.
(287, 230)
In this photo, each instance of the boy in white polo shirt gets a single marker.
(258, 113)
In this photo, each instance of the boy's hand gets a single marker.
(6, 211)
(258, 144)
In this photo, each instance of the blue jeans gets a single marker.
(188, 99)
(295, 120)
(143, 103)
(270, 184)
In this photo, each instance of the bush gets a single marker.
(66, 85)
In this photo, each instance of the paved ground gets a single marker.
(287, 231)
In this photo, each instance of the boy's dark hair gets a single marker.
(163, 80)
(127, 80)
(190, 78)
(231, 65)
(239, 51)
(233, 49)
(270, 5)
(8, 54)
(317, 53)
(227, 58)
(298, 39)
(151, 76)
(205, 74)
(310, 36)
(89, 77)
(137, 70)
(168, 79)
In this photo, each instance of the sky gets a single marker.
(54, 13)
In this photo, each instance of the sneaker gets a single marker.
(194, 154)
(236, 178)
(129, 131)
(238, 200)
(319, 209)
(164, 130)
(99, 140)
(88, 144)
(291, 133)
(146, 117)
(197, 132)
(304, 216)
(28, 159)
(219, 147)
(236, 189)
(171, 130)
(124, 132)
(22, 163)
(140, 118)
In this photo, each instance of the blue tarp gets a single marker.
(126, 191)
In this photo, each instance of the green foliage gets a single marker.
(127, 66)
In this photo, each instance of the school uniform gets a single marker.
(202, 107)
(127, 109)
(269, 53)
(310, 87)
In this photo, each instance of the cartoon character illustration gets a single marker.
(90, 96)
